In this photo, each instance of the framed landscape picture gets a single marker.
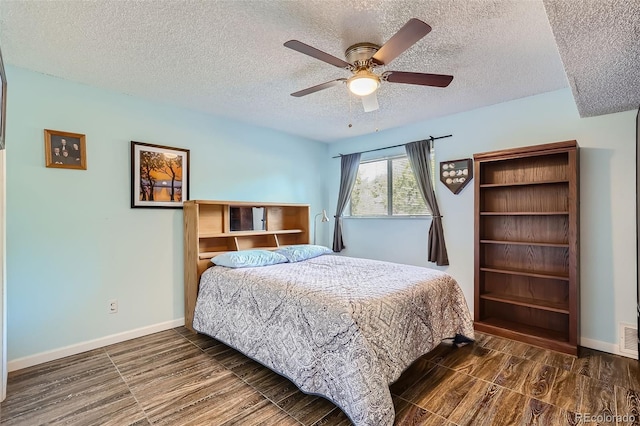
(159, 175)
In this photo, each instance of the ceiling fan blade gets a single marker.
(370, 102)
(319, 87)
(406, 37)
(436, 80)
(318, 54)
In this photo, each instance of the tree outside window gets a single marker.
(387, 188)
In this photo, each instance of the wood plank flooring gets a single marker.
(179, 378)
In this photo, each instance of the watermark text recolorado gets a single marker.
(605, 418)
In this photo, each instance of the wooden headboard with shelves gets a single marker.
(207, 233)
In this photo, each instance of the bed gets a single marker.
(340, 327)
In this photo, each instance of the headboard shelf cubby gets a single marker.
(216, 227)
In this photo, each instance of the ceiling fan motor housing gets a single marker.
(360, 54)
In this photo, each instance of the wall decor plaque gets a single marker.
(456, 174)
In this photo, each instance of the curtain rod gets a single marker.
(393, 146)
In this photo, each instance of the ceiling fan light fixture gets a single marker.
(363, 83)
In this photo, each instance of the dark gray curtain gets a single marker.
(418, 154)
(348, 171)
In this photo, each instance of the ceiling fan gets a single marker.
(364, 58)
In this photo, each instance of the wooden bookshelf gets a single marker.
(526, 245)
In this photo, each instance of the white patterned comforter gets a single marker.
(340, 327)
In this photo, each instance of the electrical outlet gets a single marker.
(113, 306)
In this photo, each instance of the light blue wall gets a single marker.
(607, 192)
(73, 242)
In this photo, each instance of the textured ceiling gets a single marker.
(599, 41)
(227, 57)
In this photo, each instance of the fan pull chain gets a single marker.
(376, 119)
(350, 109)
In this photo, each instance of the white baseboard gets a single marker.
(31, 360)
(611, 348)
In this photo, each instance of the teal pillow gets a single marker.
(299, 252)
(248, 258)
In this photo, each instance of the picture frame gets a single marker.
(65, 150)
(159, 176)
(3, 103)
(456, 174)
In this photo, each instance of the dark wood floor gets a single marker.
(179, 378)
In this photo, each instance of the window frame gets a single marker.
(389, 159)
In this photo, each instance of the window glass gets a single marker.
(407, 199)
(370, 192)
(386, 188)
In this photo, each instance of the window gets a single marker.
(387, 188)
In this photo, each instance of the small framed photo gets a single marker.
(65, 150)
(159, 175)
